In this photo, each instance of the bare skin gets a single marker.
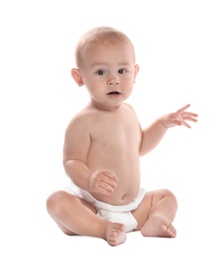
(102, 147)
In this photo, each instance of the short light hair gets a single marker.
(105, 35)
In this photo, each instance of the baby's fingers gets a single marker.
(189, 115)
(181, 110)
(109, 181)
(188, 118)
(104, 182)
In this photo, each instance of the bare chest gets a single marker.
(116, 131)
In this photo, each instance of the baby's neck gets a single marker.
(99, 106)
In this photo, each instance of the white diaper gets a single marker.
(121, 214)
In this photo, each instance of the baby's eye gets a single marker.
(100, 72)
(121, 71)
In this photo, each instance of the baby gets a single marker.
(102, 147)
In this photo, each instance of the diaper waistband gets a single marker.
(105, 206)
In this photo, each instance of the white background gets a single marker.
(178, 49)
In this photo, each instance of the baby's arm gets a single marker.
(76, 147)
(152, 135)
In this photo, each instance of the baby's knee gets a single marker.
(170, 195)
(165, 193)
(53, 202)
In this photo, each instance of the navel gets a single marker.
(124, 197)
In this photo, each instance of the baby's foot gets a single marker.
(157, 226)
(115, 234)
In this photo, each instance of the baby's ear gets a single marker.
(136, 70)
(77, 77)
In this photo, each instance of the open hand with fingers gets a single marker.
(180, 117)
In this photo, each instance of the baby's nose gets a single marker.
(113, 80)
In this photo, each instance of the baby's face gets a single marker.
(109, 72)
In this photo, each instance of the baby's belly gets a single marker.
(124, 194)
(126, 166)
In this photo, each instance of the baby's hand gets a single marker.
(180, 117)
(103, 182)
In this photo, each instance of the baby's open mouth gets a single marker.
(114, 93)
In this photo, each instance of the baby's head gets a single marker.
(99, 36)
(105, 61)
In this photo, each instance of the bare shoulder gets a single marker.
(79, 122)
(77, 136)
(129, 107)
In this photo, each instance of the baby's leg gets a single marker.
(156, 214)
(75, 216)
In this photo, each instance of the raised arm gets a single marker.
(152, 135)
